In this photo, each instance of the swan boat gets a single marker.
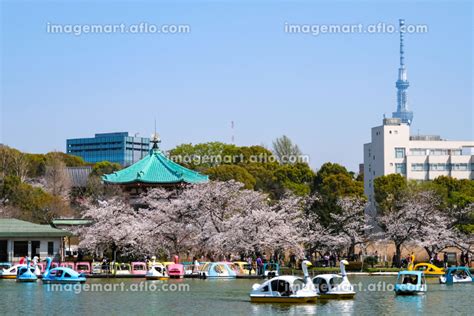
(410, 283)
(218, 270)
(11, 272)
(26, 273)
(285, 289)
(334, 286)
(157, 271)
(60, 275)
(456, 275)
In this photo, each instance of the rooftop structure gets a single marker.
(155, 169)
(10, 227)
(402, 84)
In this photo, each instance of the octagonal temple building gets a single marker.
(154, 170)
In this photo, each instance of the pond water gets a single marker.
(375, 296)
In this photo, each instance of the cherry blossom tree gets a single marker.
(350, 227)
(402, 224)
(115, 225)
(214, 219)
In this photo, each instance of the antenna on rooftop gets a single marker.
(155, 138)
(232, 139)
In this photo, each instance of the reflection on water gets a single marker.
(226, 297)
(410, 302)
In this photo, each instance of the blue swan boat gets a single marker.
(218, 270)
(61, 275)
(26, 273)
(410, 283)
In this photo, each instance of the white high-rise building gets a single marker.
(419, 157)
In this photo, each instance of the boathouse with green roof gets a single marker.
(154, 170)
(19, 239)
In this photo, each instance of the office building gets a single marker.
(418, 157)
(114, 147)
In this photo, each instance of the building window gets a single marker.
(20, 248)
(50, 248)
(459, 166)
(418, 152)
(400, 168)
(439, 152)
(399, 152)
(438, 167)
(418, 167)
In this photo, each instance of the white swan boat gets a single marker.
(157, 271)
(285, 289)
(334, 286)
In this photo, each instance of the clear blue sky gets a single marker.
(325, 92)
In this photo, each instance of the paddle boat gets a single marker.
(245, 268)
(83, 267)
(218, 270)
(156, 272)
(121, 269)
(271, 270)
(139, 268)
(5, 265)
(26, 273)
(285, 289)
(428, 269)
(456, 275)
(410, 283)
(61, 275)
(67, 264)
(176, 269)
(334, 286)
(11, 272)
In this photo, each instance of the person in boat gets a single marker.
(445, 260)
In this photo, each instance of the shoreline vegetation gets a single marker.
(272, 208)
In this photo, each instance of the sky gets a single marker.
(238, 64)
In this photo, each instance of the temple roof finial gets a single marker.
(155, 140)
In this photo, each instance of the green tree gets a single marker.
(33, 203)
(37, 165)
(295, 177)
(232, 172)
(285, 151)
(104, 167)
(332, 182)
(389, 191)
(201, 156)
(69, 160)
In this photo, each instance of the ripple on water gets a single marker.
(226, 297)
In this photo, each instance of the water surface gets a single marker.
(222, 297)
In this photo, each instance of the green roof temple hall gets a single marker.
(19, 239)
(154, 170)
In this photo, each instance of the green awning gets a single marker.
(155, 168)
(15, 228)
